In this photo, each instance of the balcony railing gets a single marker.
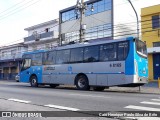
(41, 36)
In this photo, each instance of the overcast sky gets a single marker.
(15, 15)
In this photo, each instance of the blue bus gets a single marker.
(98, 65)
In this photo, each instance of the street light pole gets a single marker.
(136, 17)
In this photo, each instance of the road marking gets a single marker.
(62, 107)
(156, 100)
(151, 103)
(142, 108)
(89, 96)
(17, 100)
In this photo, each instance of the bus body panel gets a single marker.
(34, 70)
(129, 62)
(101, 73)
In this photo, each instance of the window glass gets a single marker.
(91, 54)
(122, 50)
(76, 55)
(108, 52)
(155, 21)
(156, 44)
(69, 15)
(27, 56)
(101, 8)
(141, 48)
(37, 59)
(91, 33)
(63, 57)
(49, 58)
(107, 5)
(26, 64)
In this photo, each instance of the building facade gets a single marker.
(102, 20)
(150, 25)
(97, 21)
(42, 36)
(10, 60)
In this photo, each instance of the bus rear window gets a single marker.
(141, 48)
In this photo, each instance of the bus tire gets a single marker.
(82, 83)
(33, 81)
(53, 85)
(98, 88)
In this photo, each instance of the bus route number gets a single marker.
(116, 65)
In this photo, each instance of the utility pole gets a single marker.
(136, 17)
(81, 21)
(81, 8)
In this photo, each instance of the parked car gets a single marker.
(17, 77)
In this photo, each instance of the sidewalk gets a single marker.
(150, 88)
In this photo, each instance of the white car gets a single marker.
(17, 78)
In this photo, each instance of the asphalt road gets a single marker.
(21, 97)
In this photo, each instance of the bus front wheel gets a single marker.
(33, 81)
(82, 83)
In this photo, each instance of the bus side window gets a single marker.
(37, 59)
(63, 57)
(76, 55)
(122, 50)
(49, 58)
(108, 52)
(26, 64)
(91, 54)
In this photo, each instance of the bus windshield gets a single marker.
(141, 48)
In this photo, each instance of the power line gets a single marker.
(8, 9)
(75, 24)
(18, 10)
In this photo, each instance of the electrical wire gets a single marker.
(18, 10)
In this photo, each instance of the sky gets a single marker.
(16, 15)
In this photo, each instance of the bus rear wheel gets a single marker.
(33, 81)
(82, 83)
(98, 88)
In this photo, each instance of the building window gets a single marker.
(13, 52)
(99, 6)
(101, 31)
(73, 36)
(69, 15)
(156, 21)
(4, 54)
(156, 44)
